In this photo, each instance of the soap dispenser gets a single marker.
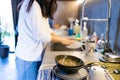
(101, 42)
(76, 29)
(85, 31)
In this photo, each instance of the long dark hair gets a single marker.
(48, 7)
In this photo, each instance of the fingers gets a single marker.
(67, 41)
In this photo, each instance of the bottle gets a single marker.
(85, 31)
(76, 27)
(101, 42)
(94, 37)
(70, 30)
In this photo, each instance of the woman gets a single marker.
(33, 33)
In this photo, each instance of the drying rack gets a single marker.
(100, 20)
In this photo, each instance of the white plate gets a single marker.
(76, 44)
(80, 75)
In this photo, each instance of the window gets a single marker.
(6, 24)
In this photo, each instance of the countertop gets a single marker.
(49, 60)
(49, 57)
(111, 67)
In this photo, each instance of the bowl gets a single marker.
(68, 63)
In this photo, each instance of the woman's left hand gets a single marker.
(67, 41)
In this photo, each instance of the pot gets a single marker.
(4, 51)
(68, 63)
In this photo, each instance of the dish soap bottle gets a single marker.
(76, 28)
(85, 31)
(70, 30)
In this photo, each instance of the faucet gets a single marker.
(107, 44)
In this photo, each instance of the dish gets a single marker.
(103, 59)
(76, 44)
(81, 74)
(68, 63)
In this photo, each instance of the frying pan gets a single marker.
(69, 68)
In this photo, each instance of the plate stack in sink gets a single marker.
(82, 74)
(69, 67)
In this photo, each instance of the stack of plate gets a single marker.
(80, 75)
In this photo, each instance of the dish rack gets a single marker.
(107, 20)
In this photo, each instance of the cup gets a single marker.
(90, 47)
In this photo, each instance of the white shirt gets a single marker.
(33, 30)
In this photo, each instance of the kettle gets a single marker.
(97, 73)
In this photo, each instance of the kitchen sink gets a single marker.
(61, 47)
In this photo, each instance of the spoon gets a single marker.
(64, 59)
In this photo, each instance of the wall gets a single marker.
(94, 9)
(98, 10)
(65, 10)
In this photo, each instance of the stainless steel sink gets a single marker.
(61, 47)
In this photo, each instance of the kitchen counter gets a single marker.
(49, 57)
(111, 67)
(45, 70)
(49, 60)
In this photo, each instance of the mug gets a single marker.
(90, 47)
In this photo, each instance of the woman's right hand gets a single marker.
(67, 41)
(62, 40)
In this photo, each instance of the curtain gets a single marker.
(14, 4)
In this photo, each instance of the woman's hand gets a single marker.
(67, 41)
(62, 40)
